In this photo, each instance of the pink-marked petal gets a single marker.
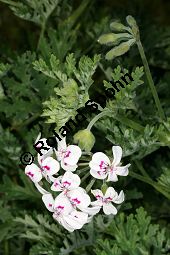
(117, 155)
(63, 203)
(110, 193)
(99, 161)
(97, 193)
(72, 181)
(109, 209)
(48, 201)
(57, 184)
(98, 174)
(50, 166)
(33, 172)
(79, 198)
(120, 198)
(68, 167)
(72, 155)
(122, 170)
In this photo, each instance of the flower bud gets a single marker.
(85, 139)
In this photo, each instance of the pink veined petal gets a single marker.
(120, 198)
(99, 162)
(70, 180)
(79, 198)
(112, 177)
(48, 201)
(109, 209)
(50, 166)
(72, 155)
(68, 167)
(97, 174)
(117, 155)
(110, 193)
(97, 193)
(57, 185)
(122, 170)
(63, 204)
(33, 172)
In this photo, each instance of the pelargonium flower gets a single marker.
(68, 155)
(69, 185)
(67, 182)
(48, 168)
(106, 200)
(101, 166)
(64, 212)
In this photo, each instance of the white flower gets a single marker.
(105, 201)
(64, 212)
(49, 167)
(66, 182)
(68, 155)
(101, 166)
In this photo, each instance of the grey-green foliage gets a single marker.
(134, 235)
(73, 85)
(32, 10)
(24, 86)
(124, 98)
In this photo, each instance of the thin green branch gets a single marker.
(150, 80)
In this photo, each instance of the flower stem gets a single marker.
(96, 118)
(150, 80)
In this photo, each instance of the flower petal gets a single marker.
(70, 180)
(48, 201)
(97, 193)
(112, 177)
(67, 167)
(98, 174)
(63, 205)
(76, 219)
(99, 161)
(109, 209)
(91, 210)
(50, 166)
(122, 170)
(33, 172)
(120, 198)
(57, 185)
(63, 222)
(110, 193)
(72, 155)
(117, 155)
(78, 197)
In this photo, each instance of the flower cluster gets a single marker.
(72, 207)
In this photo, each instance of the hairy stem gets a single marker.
(96, 118)
(150, 80)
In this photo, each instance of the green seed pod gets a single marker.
(113, 38)
(117, 26)
(85, 139)
(104, 188)
(132, 23)
(119, 50)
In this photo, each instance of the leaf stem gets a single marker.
(150, 80)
